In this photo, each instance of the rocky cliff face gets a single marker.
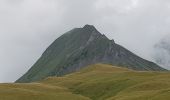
(81, 47)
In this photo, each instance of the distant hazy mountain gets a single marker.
(162, 54)
(81, 47)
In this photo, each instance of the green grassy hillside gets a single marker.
(96, 82)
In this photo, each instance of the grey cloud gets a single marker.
(162, 52)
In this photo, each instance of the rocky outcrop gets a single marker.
(81, 47)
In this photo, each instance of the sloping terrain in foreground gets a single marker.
(95, 82)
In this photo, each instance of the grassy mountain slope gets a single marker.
(79, 48)
(36, 91)
(95, 82)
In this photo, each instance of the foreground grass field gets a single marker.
(96, 82)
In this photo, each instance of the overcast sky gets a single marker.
(28, 27)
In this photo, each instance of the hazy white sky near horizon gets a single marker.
(28, 27)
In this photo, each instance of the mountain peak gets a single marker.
(80, 48)
(89, 27)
